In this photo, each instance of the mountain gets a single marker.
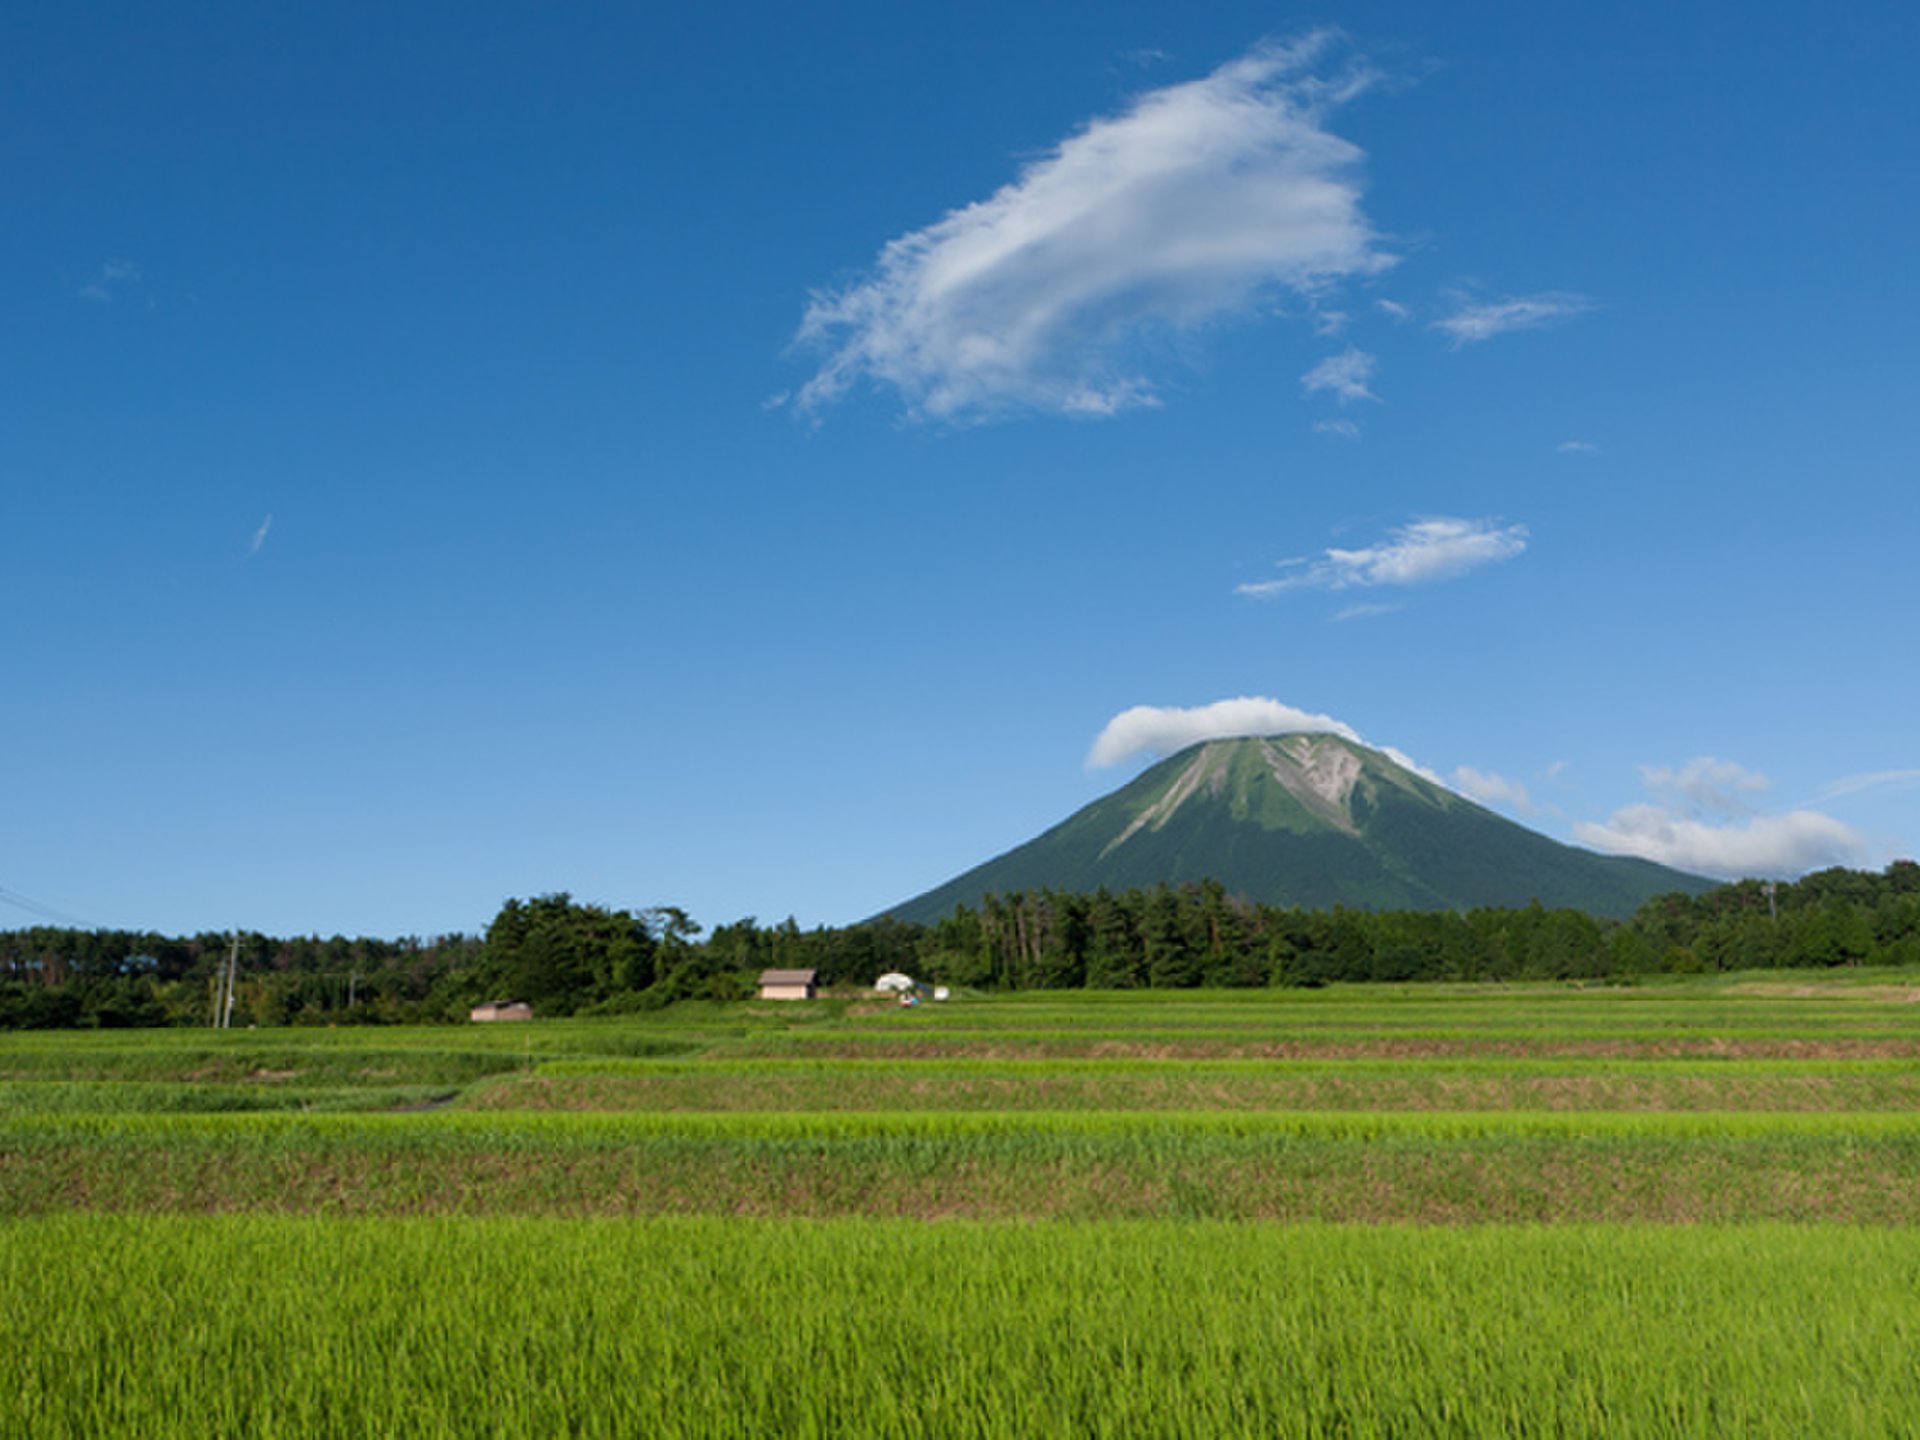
(1310, 820)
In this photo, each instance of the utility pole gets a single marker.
(221, 982)
(232, 982)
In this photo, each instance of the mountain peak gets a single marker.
(1312, 819)
(1319, 772)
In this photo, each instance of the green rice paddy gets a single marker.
(298, 1327)
(1683, 1209)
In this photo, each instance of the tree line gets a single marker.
(565, 957)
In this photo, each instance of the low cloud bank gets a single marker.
(1764, 846)
(1704, 822)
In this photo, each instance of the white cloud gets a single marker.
(1201, 202)
(260, 536)
(1364, 612)
(1708, 786)
(1345, 374)
(1164, 729)
(1854, 784)
(113, 274)
(1476, 320)
(1418, 554)
(1407, 762)
(1760, 845)
(1492, 789)
(1577, 447)
(1704, 823)
(1339, 429)
(1393, 309)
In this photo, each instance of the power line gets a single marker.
(44, 912)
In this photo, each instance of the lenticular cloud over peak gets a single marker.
(1164, 729)
(1196, 204)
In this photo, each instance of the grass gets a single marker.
(1434, 1167)
(1015, 1085)
(261, 1327)
(1631, 1103)
(137, 1097)
(1673, 1209)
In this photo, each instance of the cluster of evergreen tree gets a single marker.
(112, 978)
(1200, 935)
(566, 958)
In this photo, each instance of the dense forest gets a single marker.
(567, 958)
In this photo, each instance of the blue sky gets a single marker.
(756, 460)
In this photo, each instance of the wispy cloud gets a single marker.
(1476, 320)
(1347, 375)
(113, 276)
(1201, 202)
(1703, 821)
(1577, 447)
(1341, 429)
(1164, 729)
(1491, 789)
(1707, 785)
(1365, 612)
(1879, 779)
(1418, 554)
(1393, 309)
(260, 536)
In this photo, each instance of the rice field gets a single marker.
(299, 1327)
(1689, 1208)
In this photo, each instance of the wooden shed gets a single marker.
(787, 984)
(502, 1010)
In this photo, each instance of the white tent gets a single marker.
(893, 983)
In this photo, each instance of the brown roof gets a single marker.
(787, 977)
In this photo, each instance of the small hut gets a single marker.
(787, 984)
(502, 1010)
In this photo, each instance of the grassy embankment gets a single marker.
(1721, 1102)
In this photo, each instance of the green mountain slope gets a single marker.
(1310, 820)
